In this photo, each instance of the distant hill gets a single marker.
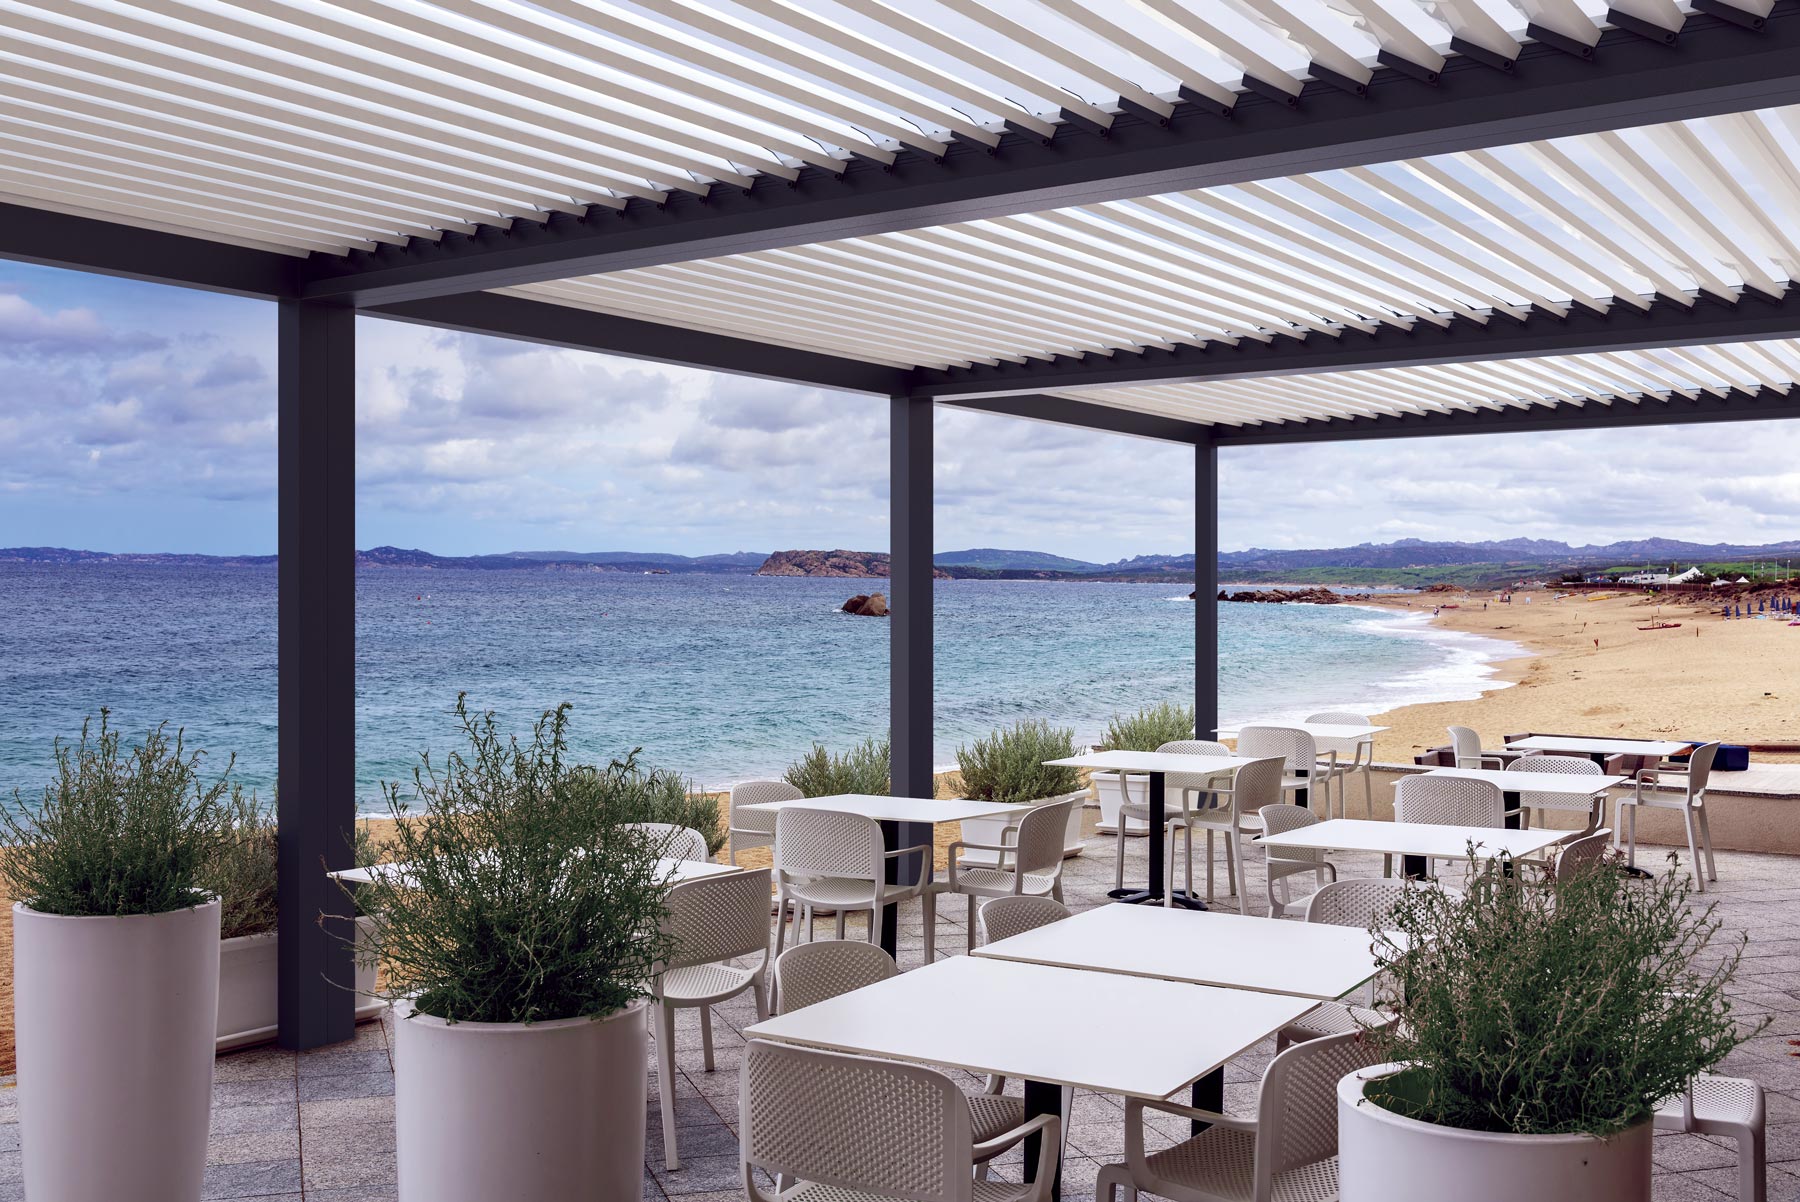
(173, 559)
(860, 565)
(998, 560)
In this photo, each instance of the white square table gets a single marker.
(1229, 951)
(1599, 749)
(905, 822)
(1156, 765)
(1047, 1036)
(1570, 785)
(1318, 730)
(1422, 840)
(674, 871)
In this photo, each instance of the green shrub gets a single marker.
(1151, 727)
(242, 872)
(117, 833)
(526, 899)
(1551, 1009)
(1009, 765)
(653, 795)
(866, 770)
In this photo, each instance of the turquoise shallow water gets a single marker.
(721, 677)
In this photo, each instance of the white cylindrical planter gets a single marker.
(539, 1112)
(1386, 1157)
(115, 1021)
(248, 977)
(993, 830)
(1106, 792)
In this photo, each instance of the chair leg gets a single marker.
(840, 924)
(1712, 869)
(1119, 856)
(759, 992)
(781, 922)
(1752, 1173)
(1056, 889)
(1231, 862)
(1368, 792)
(1699, 869)
(928, 903)
(1387, 864)
(969, 930)
(1631, 837)
(706, 1036)
(1187, 853)
(1209, 864)
(665, 1081)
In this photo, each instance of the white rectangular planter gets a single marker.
(993, 830)
(1106, 791)
(248, 1005)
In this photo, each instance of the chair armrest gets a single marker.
(919, 848)
(1046, 1124)
(1010, 847)
(1165, 1106)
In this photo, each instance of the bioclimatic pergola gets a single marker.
(1213, 222)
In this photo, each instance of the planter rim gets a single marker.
(20, 907)
(1368, 1106)
(252, 937)
(1035, 801)
(554, 1024)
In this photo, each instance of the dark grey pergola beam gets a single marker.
(1714, 66)
(626, 337)
(1666, 323)
(1106, 419)
(50, 239)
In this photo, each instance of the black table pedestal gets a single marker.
(1154, 894)
(903, 870)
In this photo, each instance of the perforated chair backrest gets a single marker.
(756, 792)
(1355, 903)
(1257, 784)
(809, 973)
(1700, 767)
(1283, 817)
(1577, 855)
(1005, 917)
(1296, 748)
(1185, 780)
(1342, 718)
(828, 843)
(1448, 801)
(719, 918)
(1041, 836)
(675, 842)
(1574, 765)
(1466, 745)
(1297, 1114)
(897, 1130)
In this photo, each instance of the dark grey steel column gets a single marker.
(909, 624)
(317, 642)
(1206, 588)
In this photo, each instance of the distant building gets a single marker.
(1645, 578)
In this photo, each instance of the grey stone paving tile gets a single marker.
(348, 1165)
(713, 1140)
(334, 1113)
(250, 1147)
(1680, 1153)
(700, 1175)
(12, 1166)
(358, 1194)
(12, 1191)
(237, 1120)
(227, 1094)
(9, 1137)
(342, 1061)
(1683, 1187)
(348, 1085)
(232, 1181)
(254, 1064)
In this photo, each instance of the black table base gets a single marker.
(903, 870)
(1041, 1097)
(1153, 894)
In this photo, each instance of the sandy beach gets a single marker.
(1587, 668)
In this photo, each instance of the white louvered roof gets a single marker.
(331, 126)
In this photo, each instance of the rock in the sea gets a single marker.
(873, 605)
(1304, 596)
(868, 564)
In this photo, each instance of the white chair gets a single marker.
(1360, 903)
(1005, 917)
(755, 828)
(712, 921)
(1361, 751)
(1307, 767)
(1287, 1153)
(1465, 744)
(1284, 862)
(1181, 789)
(1030, 865)
(1574, 765)
(1731, 1107)
(1687, 794)
(1448, 801)
(847, 1128)
(1579, 854)
(674, 842)
(1253, 785)
(830, 860)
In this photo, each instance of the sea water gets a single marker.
(722, 678)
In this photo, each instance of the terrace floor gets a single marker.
(319, 1125)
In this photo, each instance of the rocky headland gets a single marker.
(840, 563)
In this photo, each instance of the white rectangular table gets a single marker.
(1569, 786)
(905, 822)
(1318, 730)
(1230, 951)
(1156, 765)
(1599, 749)
(1038, 1023)
(1420, 839)
(675, 871)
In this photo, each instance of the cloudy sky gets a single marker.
(141, 418)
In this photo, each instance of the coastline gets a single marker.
(1587, 668)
